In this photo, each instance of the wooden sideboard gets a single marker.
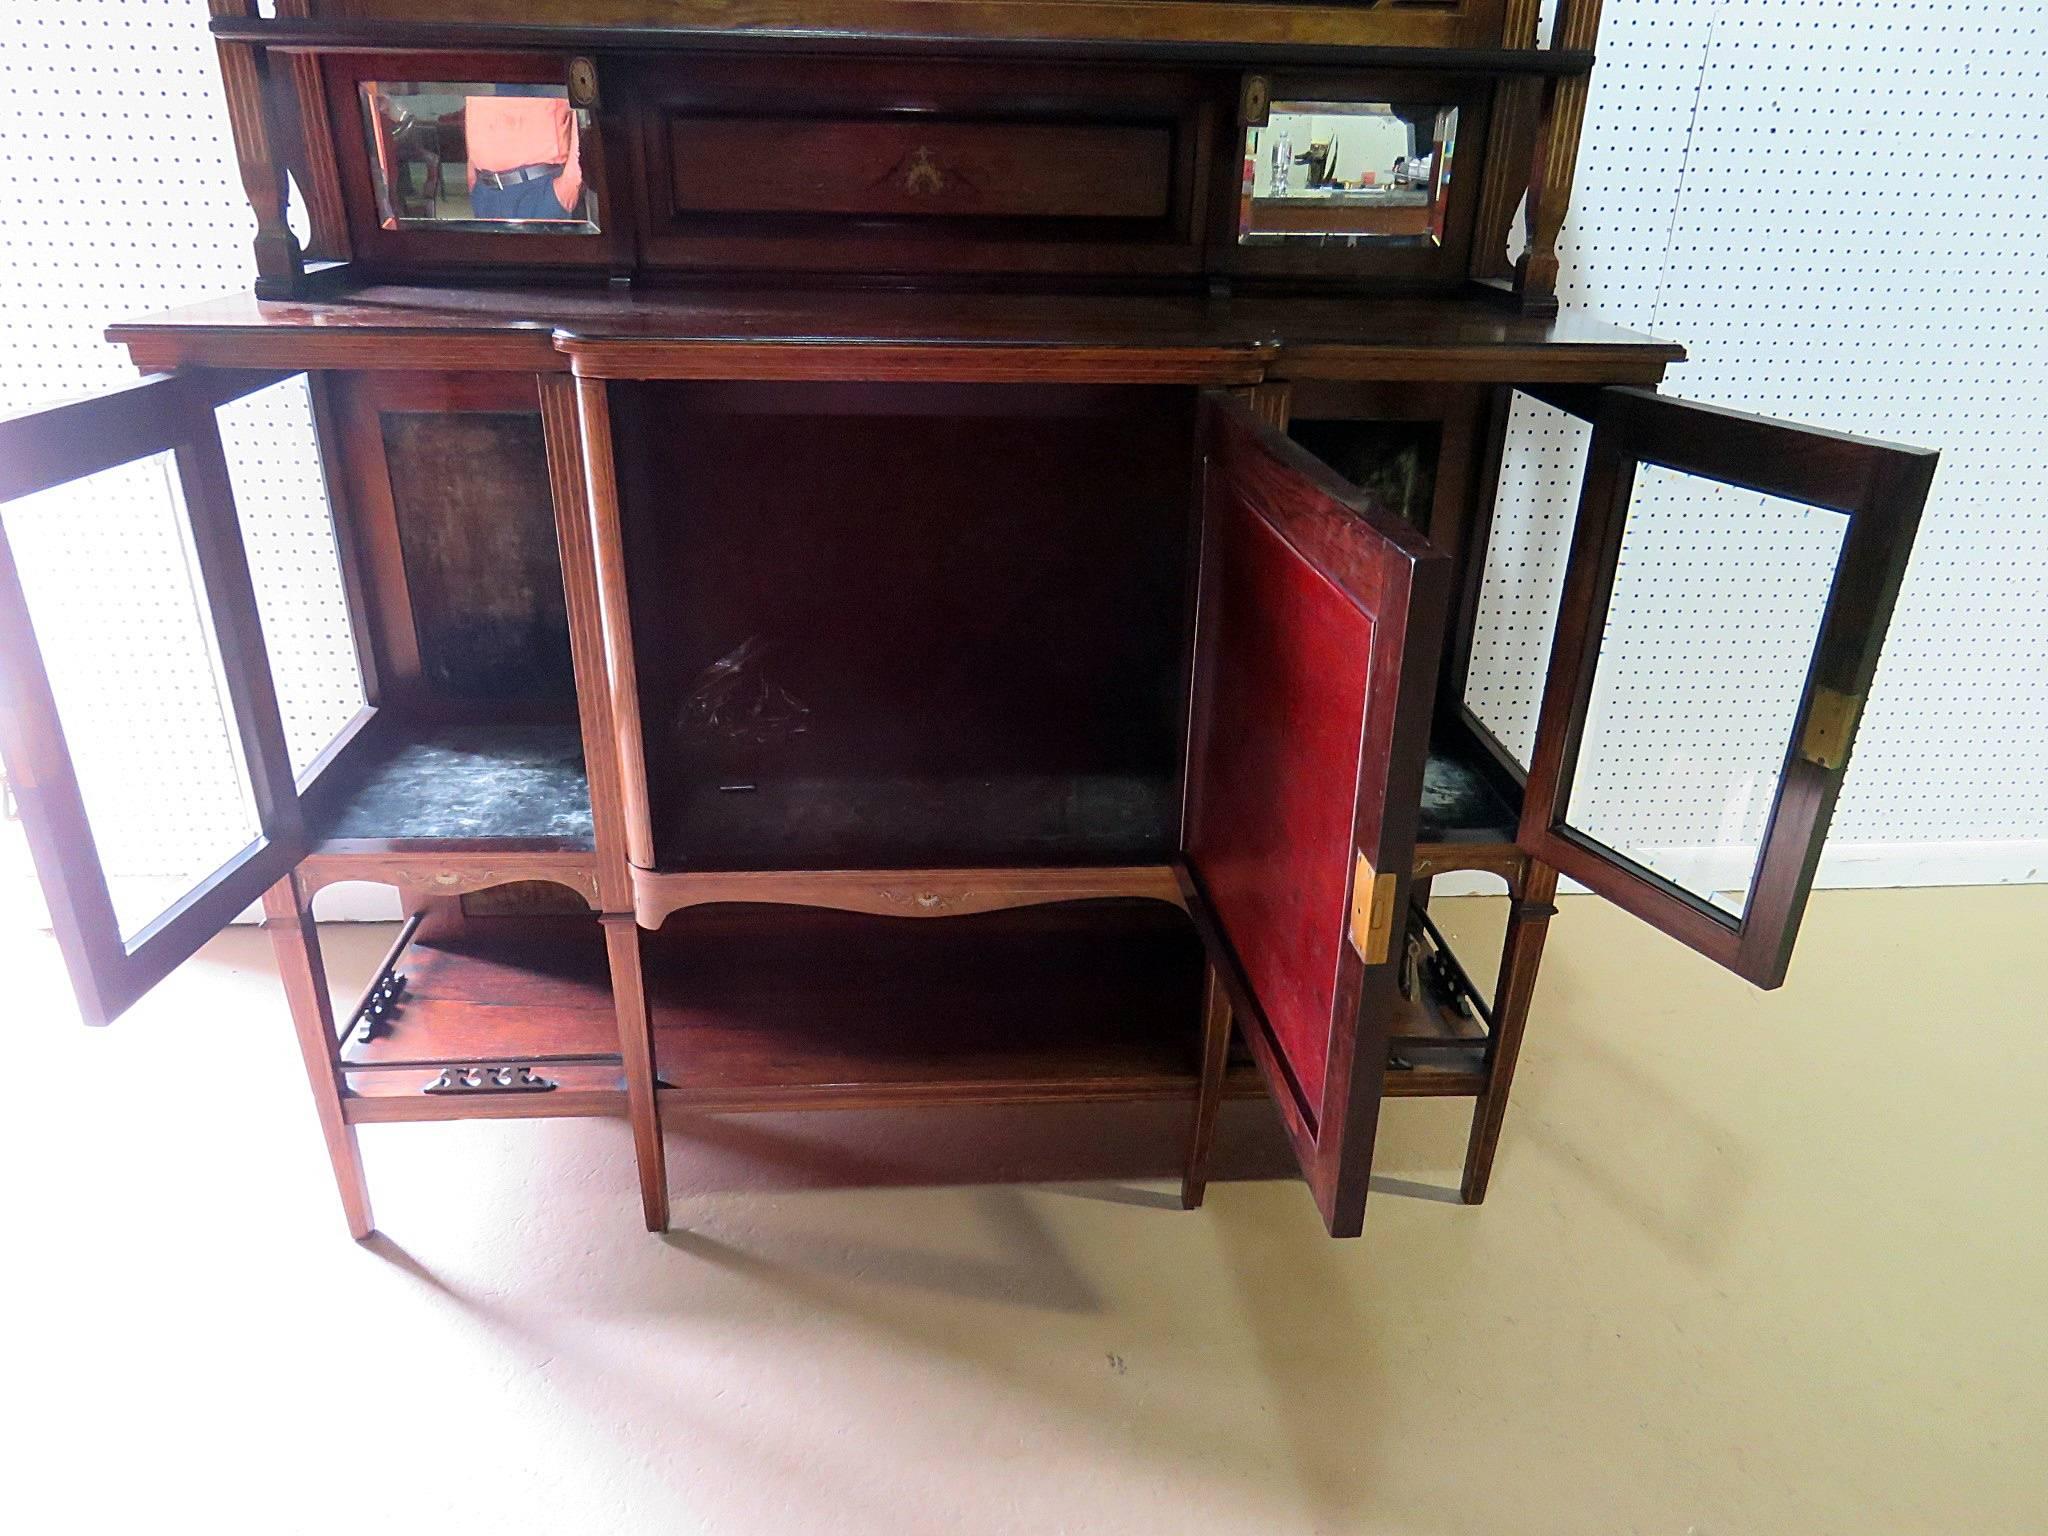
(894, 594)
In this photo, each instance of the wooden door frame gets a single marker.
(1333, 1133)
(160, 413)
(1881, 488)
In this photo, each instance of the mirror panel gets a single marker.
(480, 157)
(1341, 172)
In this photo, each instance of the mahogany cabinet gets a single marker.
(920, 576)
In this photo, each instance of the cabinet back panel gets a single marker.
(933, 600)
(476, 525)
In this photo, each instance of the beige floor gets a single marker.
(1752, 1264)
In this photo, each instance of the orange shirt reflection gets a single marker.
(506, 132)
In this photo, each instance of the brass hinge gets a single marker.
(1830, 721)
(1372, 913)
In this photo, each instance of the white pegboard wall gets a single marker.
(288, 533)
(1838, 207)
(124, 199)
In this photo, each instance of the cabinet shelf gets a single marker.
(531, 991)
(901, 822)
(486, 785)
(1460, 803)
(759, 1008)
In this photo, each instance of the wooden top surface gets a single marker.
(793, 333)
(1446, 23)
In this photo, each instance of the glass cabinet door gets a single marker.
(1690, 745)
(138, 722)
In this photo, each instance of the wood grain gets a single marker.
(922, 893)
(1531, 894)
(1241, 341)
(615, 613)
(419, 874)
(1445, 24)
(563, 429)
(1216, 1031)
(245, 80)
(288, 918)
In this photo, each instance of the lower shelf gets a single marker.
(488, 784)
(531, 992)
(759, 1008)
(1439, 1043)
(779, 1008)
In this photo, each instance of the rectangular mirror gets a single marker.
(1340, 172)
(486, 158)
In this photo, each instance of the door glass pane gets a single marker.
(1337, 172)
(471, 155)
(1533, 516)
(1716, 613)
(288, 532)
(107, 567)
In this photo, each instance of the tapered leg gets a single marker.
(1530, 896)
(1194, 1182)
(289, 921)
(636, 1046)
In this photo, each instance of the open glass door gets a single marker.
(1731, 722)
(1316, 642)
(138, 720)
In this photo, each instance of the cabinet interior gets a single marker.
(476, 736)
(905, 625)
(884, 626)
(877, 625)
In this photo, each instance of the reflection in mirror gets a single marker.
(478, 157)
(1696, 696)
(1337, 172)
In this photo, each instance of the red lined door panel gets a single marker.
(1315, 663)
(1274, 791)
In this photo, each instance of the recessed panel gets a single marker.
(913, 167)
(476, 523)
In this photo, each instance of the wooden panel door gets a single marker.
(1316, 641)
(1744, 718)
(94, 787)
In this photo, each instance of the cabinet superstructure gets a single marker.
(919, 558)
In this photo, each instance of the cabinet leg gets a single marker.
(1194, 1182)
(1530, 896)
(636, 1046)
(289, 920)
